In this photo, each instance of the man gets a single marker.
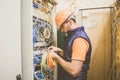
(76, 55)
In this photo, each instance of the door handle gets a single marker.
(18, 77)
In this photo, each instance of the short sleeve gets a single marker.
(79, 49)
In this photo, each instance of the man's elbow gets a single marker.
(75, 73)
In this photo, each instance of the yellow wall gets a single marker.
(117, 48)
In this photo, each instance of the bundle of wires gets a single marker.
(50, 61)
(47, 65)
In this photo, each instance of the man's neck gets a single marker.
(74, 26)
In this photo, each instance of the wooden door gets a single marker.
(98, 26)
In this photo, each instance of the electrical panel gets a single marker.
(43, 37)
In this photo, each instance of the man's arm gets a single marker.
(72, 68)
(79, 48)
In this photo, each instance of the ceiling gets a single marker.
(80, 4)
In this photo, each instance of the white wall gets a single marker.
(10, 41)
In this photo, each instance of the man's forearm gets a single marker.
(70, 67)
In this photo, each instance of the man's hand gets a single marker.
(56, 50)
(52, 54)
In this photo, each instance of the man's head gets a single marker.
(63, 17)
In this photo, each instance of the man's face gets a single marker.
(63, 27)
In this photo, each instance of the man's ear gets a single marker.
(70, 22)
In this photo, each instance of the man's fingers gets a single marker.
(50, 48)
